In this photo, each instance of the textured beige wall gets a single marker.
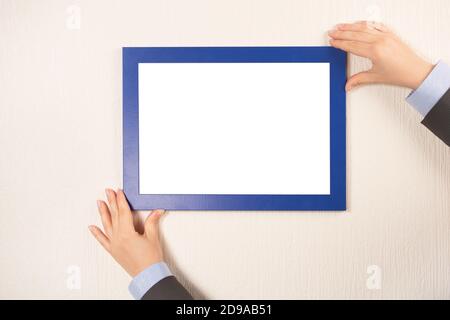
(60, 145)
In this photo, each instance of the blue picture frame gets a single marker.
(336, 201)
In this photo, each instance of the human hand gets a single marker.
(132, 250)
(393, 62)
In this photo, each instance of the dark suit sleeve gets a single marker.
(167, 289)
(438, 119)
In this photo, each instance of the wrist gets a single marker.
(421, 71)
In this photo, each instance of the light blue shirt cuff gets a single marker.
(147, 279)
(432, 89)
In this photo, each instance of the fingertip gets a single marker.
(333, 34)
(155, 215)
(332, 30)
(109, 192)
(348, 88)
(150, 218)
(121, 196)
(333, 43)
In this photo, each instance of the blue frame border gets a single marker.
(336, 201)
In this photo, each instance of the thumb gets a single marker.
(151, 224)
(361, 78)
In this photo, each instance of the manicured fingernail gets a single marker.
(99, 204)
(91, 228)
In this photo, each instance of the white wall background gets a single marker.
(60, 145)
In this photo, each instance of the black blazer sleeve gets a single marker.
(438, 119)
(167, 289)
